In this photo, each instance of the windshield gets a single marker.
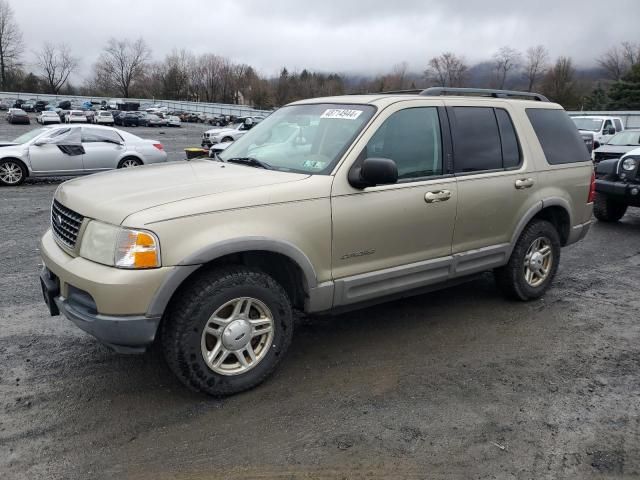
(590, 124)
(302, 138)
(625, 138)
(25, 137)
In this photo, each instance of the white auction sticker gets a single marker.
(341, 113)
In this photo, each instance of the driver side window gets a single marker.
(607, 125)
(412, 139)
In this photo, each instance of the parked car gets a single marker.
(47, 117)
(618, 145)
(394, 194)
(40, 105)
(155, 121)
(29, 106)
(4, 105)
(117, 116)
(64, 150)
(18, 103)
(173, 121)
(17, 115)
(217, 148)
(103, 117)
(602, 128)
(130, 119)
(617, 186)
(227, 134)
(75, 116)
(64, 104)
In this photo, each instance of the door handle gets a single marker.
(524, 183)
(437, 196)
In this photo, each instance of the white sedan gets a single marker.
(47, 117)
(103, 117)
(64, 150)
(75, 116)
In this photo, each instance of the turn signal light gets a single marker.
(137, 249)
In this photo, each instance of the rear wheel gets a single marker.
(12, 172)
(228, 330)
(129, 162)
(606, 209)
(533, 263)
(227, 139)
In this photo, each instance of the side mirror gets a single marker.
(610, 131)
(40, 143)
(374, 171)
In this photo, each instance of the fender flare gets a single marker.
(193, 262)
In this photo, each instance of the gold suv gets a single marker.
(327, 204)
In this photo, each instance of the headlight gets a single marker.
(120, 247)
(629, 164)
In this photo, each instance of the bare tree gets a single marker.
(559, 83)
(536, 63)
(631, 54)
(11, 47)
(56, 64)
(505, 60)
(613, 63)
(121, 64)
(447, 70)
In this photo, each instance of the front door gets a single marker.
(391, 238)
(57, 159)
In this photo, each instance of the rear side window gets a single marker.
(476, 139)
(558, 136)
(93, 135)
(510, 146)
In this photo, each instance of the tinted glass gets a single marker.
(411, 138)
(558, 136)
(618, 124)
(476, 139)
(100, 135)
(510, 147)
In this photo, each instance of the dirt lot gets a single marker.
(454, 384)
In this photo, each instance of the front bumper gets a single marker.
(109, 303)
(621, 189)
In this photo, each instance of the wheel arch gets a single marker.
(20, 161)
(129, 155)
(555, 210)
(285, 262)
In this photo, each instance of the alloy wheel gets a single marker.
(237, 336)
(538, 261)
(10, 173)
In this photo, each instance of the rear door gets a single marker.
(102, 149)
(496, 178)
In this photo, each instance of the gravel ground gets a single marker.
(455, 384)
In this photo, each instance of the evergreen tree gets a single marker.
(625, 93)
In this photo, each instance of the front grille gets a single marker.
(65, 224)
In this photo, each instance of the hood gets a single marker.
(115, 195)
(615, 148)
(8, 144)
(635, 151)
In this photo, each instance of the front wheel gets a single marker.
(606, 209)
(12, 173)
(227, 139)
(228, 330)
(533, 263)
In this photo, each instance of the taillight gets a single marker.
(158, 146)
(592, 188)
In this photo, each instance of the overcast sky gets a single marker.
(348, 36)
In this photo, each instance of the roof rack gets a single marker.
(482, 92)
(392, 92)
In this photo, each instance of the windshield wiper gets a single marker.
(251, 162)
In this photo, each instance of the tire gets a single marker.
(185, 342)
(606, 209)
(227, 139)
(512, 278)
(129, 162)
(12, 172)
